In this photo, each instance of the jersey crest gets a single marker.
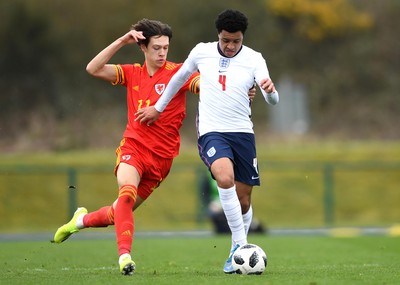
(224, 62)
(159, 88)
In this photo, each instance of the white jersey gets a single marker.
(224, 104)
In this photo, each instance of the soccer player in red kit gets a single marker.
(145, 154)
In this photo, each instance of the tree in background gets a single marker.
(345, 52)
(28, 77)
(319, 20)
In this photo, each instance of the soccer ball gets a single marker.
(249, 259)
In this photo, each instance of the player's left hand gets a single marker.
(147, 115)
(267, 85)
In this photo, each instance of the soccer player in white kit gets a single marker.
(226, 139)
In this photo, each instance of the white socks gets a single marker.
(123, 256)
(79, 222)
(247, 219)
(233, 212)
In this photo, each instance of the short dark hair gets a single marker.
(151, 28)
(231, 21)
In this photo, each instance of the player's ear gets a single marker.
(143, 48)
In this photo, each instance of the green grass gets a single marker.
(291, 260)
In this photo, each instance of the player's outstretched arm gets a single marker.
(150, 114)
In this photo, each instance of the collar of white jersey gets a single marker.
(222, 54)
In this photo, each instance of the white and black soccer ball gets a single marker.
(249, 259)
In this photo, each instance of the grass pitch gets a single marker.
(199, 260)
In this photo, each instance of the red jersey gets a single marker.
(162, 137)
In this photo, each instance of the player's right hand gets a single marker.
(133, 36)
(147, 115)
(252, 93)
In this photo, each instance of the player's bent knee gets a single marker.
(225, 181)
(127, 194)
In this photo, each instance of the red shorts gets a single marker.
(152, 168)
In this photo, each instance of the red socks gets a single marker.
(103, 217)
(123, 218)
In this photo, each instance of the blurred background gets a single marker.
(329, 152)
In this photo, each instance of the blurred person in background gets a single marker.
(213, 208)
(226, 139)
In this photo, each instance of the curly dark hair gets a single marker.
(151, 28)
(231, 21)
